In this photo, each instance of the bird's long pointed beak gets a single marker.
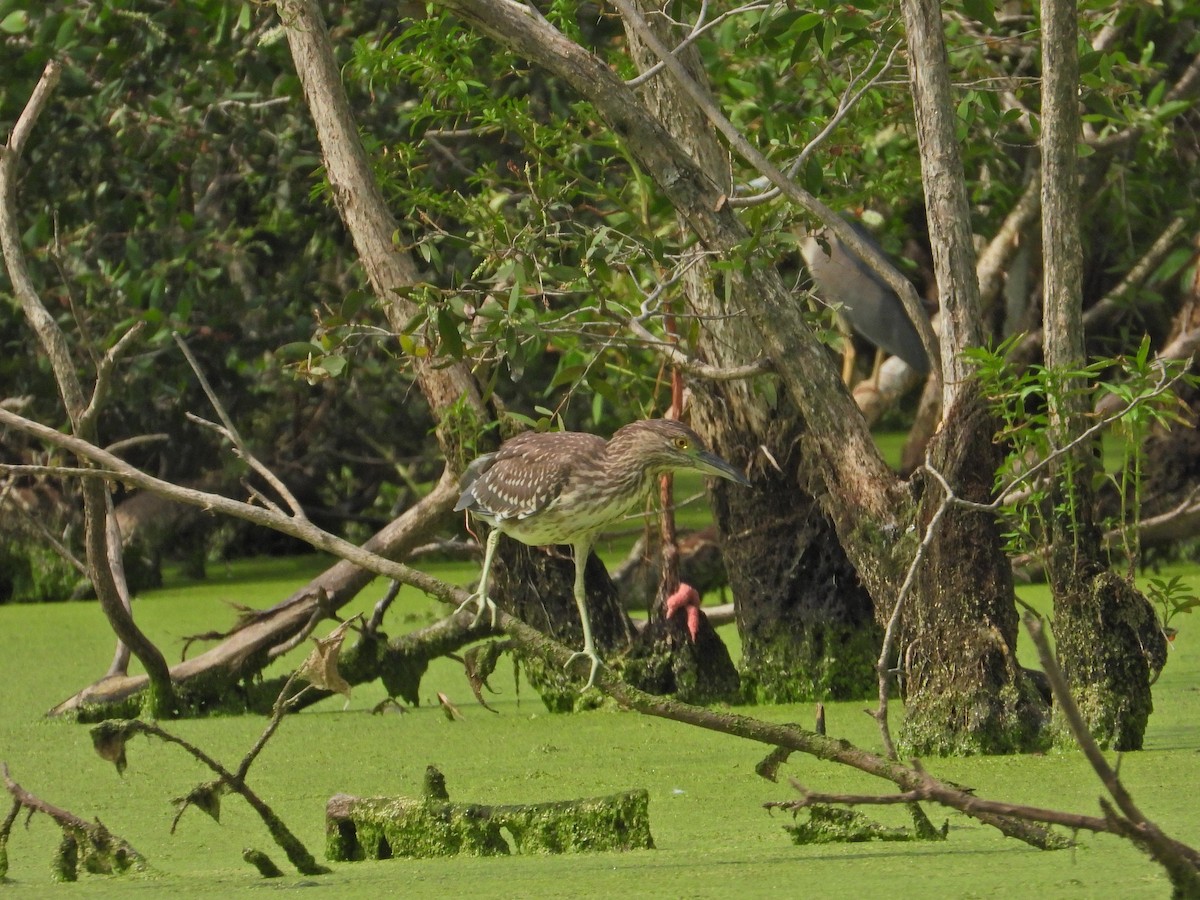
(711, 464)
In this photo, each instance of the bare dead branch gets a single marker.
(936, 792)
(230, 431)
(104, 375)
(1181, 861)
(110, 737)
(114, 467)
(87, 845)
(100, 532)
(772, 734)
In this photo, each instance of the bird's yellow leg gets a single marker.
(849, 355)
(581, 552)
(876, 367)
(480, 597)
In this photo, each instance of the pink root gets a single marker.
(693, 623)
(686, 599)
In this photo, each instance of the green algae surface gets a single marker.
(712, 835)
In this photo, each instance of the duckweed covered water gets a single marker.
(713, 837)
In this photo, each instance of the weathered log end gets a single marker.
(358, 828)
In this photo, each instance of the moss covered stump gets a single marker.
(358, 828)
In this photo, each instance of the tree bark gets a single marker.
(1106, 633)
(964, 690)
(538, 587)
(451, 390)
(807, 624)
(805, 621)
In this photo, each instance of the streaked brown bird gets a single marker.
(566, 487)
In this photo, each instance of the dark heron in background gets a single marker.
(566, 487)
(868, 305)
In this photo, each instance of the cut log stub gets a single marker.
(359, 828)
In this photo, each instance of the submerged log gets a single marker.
(358, 828)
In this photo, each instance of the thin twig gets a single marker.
(849, 99)
(699, 28)
(1181, 861)
(230, 430)
(112, 467)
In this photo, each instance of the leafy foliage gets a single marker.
(173, 184)
(1022, 398)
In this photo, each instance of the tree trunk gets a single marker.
(965, 692)
(537, 585)
(451, 390)
(104, 562)
(1106, 633)
(805, 621)
(807, 624)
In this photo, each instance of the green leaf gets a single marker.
(298, 350)
(452, 342)
(15, 22)
(334, 365)
(981, 11)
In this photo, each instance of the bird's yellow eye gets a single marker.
(681, 443)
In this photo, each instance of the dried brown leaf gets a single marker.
(321, 667)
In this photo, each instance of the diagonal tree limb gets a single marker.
(1181, 861)
(233, 435)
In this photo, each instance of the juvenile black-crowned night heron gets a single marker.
(566, 487)
(868, 305)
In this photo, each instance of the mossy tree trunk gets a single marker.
(965, 691)
(807, 624)
(537, 585)
(805, 621)
(963, 688)
(1106, 632)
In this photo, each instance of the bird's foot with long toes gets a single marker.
(587, 653)
(484, 604)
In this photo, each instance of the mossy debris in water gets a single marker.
(385, 827)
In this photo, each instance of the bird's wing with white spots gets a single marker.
(530, 471)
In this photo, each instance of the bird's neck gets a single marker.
(634, 481)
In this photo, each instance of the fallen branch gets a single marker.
(109, 739)
(87, 845)
(1121, 817)
(1181, 861)
(789, 737)
(833, 825)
